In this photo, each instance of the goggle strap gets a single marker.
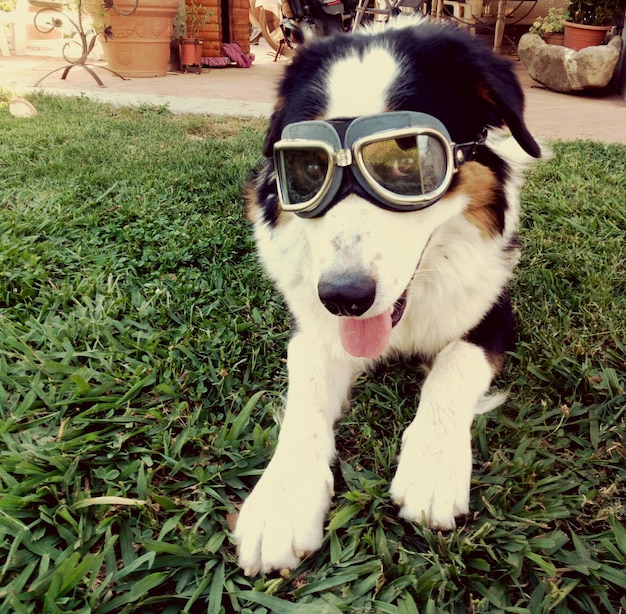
(464, 152)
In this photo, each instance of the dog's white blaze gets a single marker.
(360, 86)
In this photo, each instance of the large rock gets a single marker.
(565, 70)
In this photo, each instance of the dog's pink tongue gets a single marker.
(365, 338)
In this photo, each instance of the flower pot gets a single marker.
(578, 35)
(140, 42)
(554, 38)
(190, 50)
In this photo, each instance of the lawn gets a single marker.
(142, 369)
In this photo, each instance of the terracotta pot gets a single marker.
(140, 45)
(190, 50)
(578, 36)
(554, 38)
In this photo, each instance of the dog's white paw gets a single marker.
(283, 518)
(432, 482)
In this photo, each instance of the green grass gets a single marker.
(141, 368)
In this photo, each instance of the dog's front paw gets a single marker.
(432, 482)
(282, 520)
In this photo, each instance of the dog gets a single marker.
(386, 213)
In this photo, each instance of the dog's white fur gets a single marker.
(283, 517)
(355, 91)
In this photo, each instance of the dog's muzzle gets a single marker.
(350, 296)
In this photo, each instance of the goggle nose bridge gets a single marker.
(343, 157)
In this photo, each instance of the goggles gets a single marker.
(404, 160)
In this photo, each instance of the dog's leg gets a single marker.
(432, 482)
(283, 518)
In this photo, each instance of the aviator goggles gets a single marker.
(404, 160)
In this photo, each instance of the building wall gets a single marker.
(229, 23)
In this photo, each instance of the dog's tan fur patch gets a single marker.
(253, 211)
(480, 184)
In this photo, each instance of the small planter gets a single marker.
(578, 36)
(554, 38)
(550, 27)
(190, 50)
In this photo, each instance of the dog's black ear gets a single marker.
(273, 133)
(502, 91)
(300, 94)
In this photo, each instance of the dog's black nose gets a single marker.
(351, 294)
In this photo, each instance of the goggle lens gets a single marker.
(407, 166)
(306, 171)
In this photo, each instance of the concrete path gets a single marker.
(251, 92)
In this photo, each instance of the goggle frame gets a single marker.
(358, 134)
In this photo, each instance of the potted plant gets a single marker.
(136, 34)
(190, 45)
(590, 20)
(551, 27)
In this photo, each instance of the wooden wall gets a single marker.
(230, 23)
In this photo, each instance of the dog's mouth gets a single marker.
(368, 337)
(397, 311)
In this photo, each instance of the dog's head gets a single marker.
(376, 142)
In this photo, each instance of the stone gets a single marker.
(565, 70)
(20, 107)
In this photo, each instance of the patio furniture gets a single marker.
(383, 9)
(464, 12)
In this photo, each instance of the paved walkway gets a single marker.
(251, 92)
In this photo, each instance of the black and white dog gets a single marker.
(387, 216)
